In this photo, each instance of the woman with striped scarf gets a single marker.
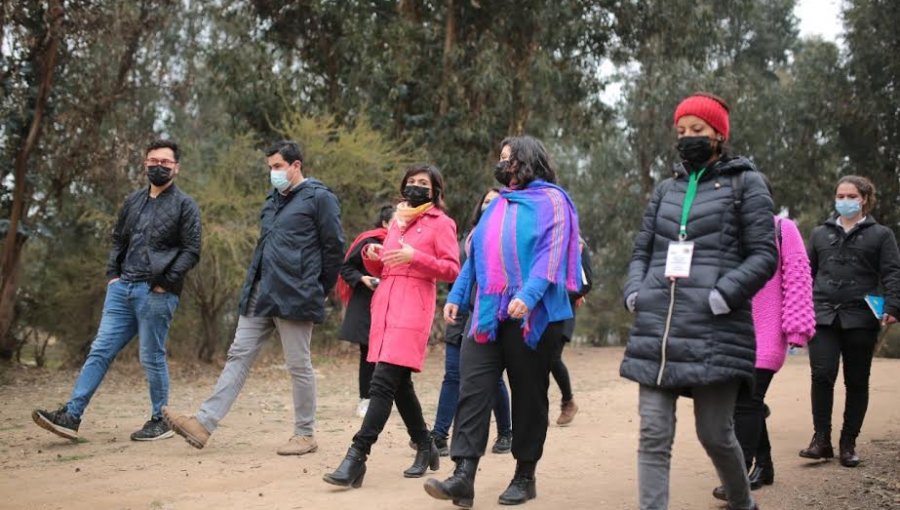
(524, 261)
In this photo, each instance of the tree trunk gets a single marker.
(410, 10)
(449, 46)
(211, 333)
(522, 89)
(12, 247)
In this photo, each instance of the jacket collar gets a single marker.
(726, 166)
(833, 223)
(168, 191)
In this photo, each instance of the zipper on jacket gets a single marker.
(665, 338)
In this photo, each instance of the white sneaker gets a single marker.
(362, 408)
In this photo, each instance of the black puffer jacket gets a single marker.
(298, 255)
(676, 340)
(847, 266)
(174, 242)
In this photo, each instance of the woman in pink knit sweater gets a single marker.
(783, 316)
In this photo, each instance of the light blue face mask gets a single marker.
(279, 180)
(847, 207)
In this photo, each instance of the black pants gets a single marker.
(750, 418)
(391, 384)
(365, 371)
(529, 377)
(826, 349)
(561, 373)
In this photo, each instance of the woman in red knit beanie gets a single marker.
(706, 245)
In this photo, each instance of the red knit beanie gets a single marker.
(708, 109)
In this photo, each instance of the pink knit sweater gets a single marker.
(783, 309)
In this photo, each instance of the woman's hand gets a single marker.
(369, 281)
(159, 290)
(372, 251)
(888, 319)
(397, 257)
(450, 311)
(517, 308)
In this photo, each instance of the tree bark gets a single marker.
(449, 46)
(46, 58)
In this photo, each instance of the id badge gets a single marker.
(678, 260)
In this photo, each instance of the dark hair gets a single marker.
(476, 214)
(434, 175)
(164, 144)
(865, 187)
(385, 213)
(288, 149)
(531, 158)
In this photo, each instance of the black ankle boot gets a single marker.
(427, 456)
(460, 487)
(351, 471)
(819, 448)
(847, 447)
(522, 487)
(763, 472)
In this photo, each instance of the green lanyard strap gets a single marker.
(693, 181)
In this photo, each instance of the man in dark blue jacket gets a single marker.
(156, 241)
(295, 265)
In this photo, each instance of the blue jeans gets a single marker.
(130, 308)
(450, 397)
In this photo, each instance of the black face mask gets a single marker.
(416, 195)
(159, 175)
(502, 174)
(695, 150)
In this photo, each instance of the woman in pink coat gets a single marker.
(420, 249)
(783, 316)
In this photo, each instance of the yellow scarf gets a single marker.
(406, 214)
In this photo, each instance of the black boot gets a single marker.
(427, 456)
(351, 471)
(819, 448)
(763, 472)
(847, 447)
(522, 487)
(460, 487)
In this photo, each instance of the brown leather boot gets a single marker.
(819, 448)
(847, 447)
(567, 412)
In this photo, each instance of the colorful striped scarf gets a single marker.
(524, 233)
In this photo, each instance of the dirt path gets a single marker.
(590, 465)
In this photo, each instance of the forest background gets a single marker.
(368, 87)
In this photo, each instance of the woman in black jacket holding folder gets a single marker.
(851, 256)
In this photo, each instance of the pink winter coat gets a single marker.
(783, 309)
(403, 304)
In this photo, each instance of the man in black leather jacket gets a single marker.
(156, 241)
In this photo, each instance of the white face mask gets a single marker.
(279, 180)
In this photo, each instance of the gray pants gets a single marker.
(714, 418)
(251, 333)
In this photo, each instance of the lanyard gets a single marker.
(693, 181)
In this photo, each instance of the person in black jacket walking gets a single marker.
(568, 407)
(851, 256)
(294, 266)
(706, 245)
(156, 241)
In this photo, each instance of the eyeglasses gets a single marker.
(168, 163)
